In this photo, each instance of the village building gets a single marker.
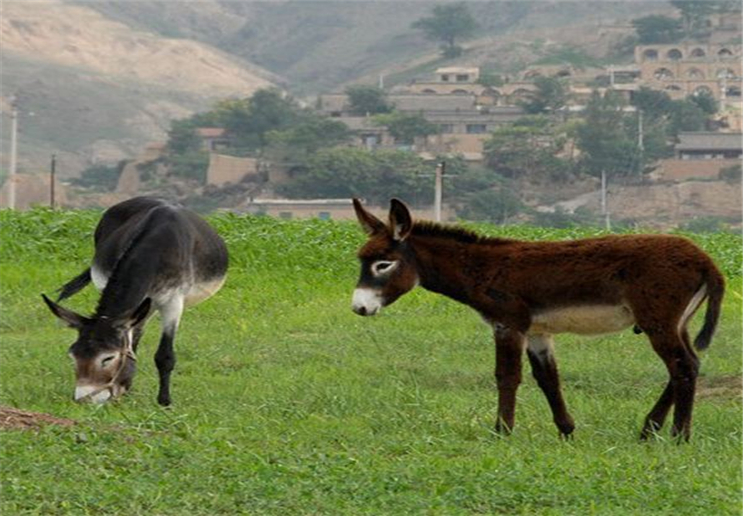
(463, 123)
(323, 209)
(683, 69)
(701, 155)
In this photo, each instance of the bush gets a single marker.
(103, 178)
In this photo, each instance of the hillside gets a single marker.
(318, 46)
(93, 89)
(96, 80)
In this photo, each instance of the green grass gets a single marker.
(287, 403)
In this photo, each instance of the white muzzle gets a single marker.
(366, 301)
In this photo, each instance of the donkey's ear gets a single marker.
(371, 224)
(140, 313)
(400, 220)
(72, 319)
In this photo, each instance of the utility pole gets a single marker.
(13, 154)
(53, 171)
(439, 176)
(438, 191)
(640, 132)
(604, 211)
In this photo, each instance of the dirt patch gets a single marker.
(15, 419)
(721, 387)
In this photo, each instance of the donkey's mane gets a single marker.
(457, 233)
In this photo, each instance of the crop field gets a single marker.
(287, 403)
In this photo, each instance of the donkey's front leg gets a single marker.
(509, 346)
(165, 355)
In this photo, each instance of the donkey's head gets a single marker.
(104, 358)
(387, 263)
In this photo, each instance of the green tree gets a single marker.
(606, 144)
(190, 165)
(100, 177)
(491, 80)
(706, 102)
(492, 205)
(550, 95)
(248, 121)
(447, 24)
(352, 172)
(404, 128)
(298, 143)
(694, 15)
(367, 100)
(182, 136)
(657, 29)
(686, 116)
(528, 149)
(654, 103)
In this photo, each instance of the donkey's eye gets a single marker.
(383, 267)
(107, 360)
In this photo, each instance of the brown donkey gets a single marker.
(529, 291)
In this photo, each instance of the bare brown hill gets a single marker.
(93, 89)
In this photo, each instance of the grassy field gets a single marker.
(285, 402)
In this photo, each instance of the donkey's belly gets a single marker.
(584, 320)
(203, 290)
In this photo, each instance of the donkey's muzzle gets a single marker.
(366, 301)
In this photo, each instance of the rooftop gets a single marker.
(709, 141)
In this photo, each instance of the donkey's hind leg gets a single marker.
(657, 416)
(673, 346)
(540, 350)
(509, 346)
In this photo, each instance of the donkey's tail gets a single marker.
(75, 285)
(715, 292)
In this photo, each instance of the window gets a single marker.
(674, 54)
(476, 128)
(702, 90)
(446, 128)
(663, 74)
(463, 77)
(695, 73)
(445, 77)
(725, 73)
(698, 52)
(725, 52)
(650, 55)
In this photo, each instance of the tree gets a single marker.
(607, 146)
(657, 29)
(706, 102)
(298, 143)
(351, 172)
(492, 205)
(367, 100)
(528, 149)
(694, 15)
(686, 116)
(654, 103)
(182, 136)
(248, 121)
(100, 177)
(447, 24)
(404, 128)
(550, 95)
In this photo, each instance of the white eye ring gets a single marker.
(383, 267)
